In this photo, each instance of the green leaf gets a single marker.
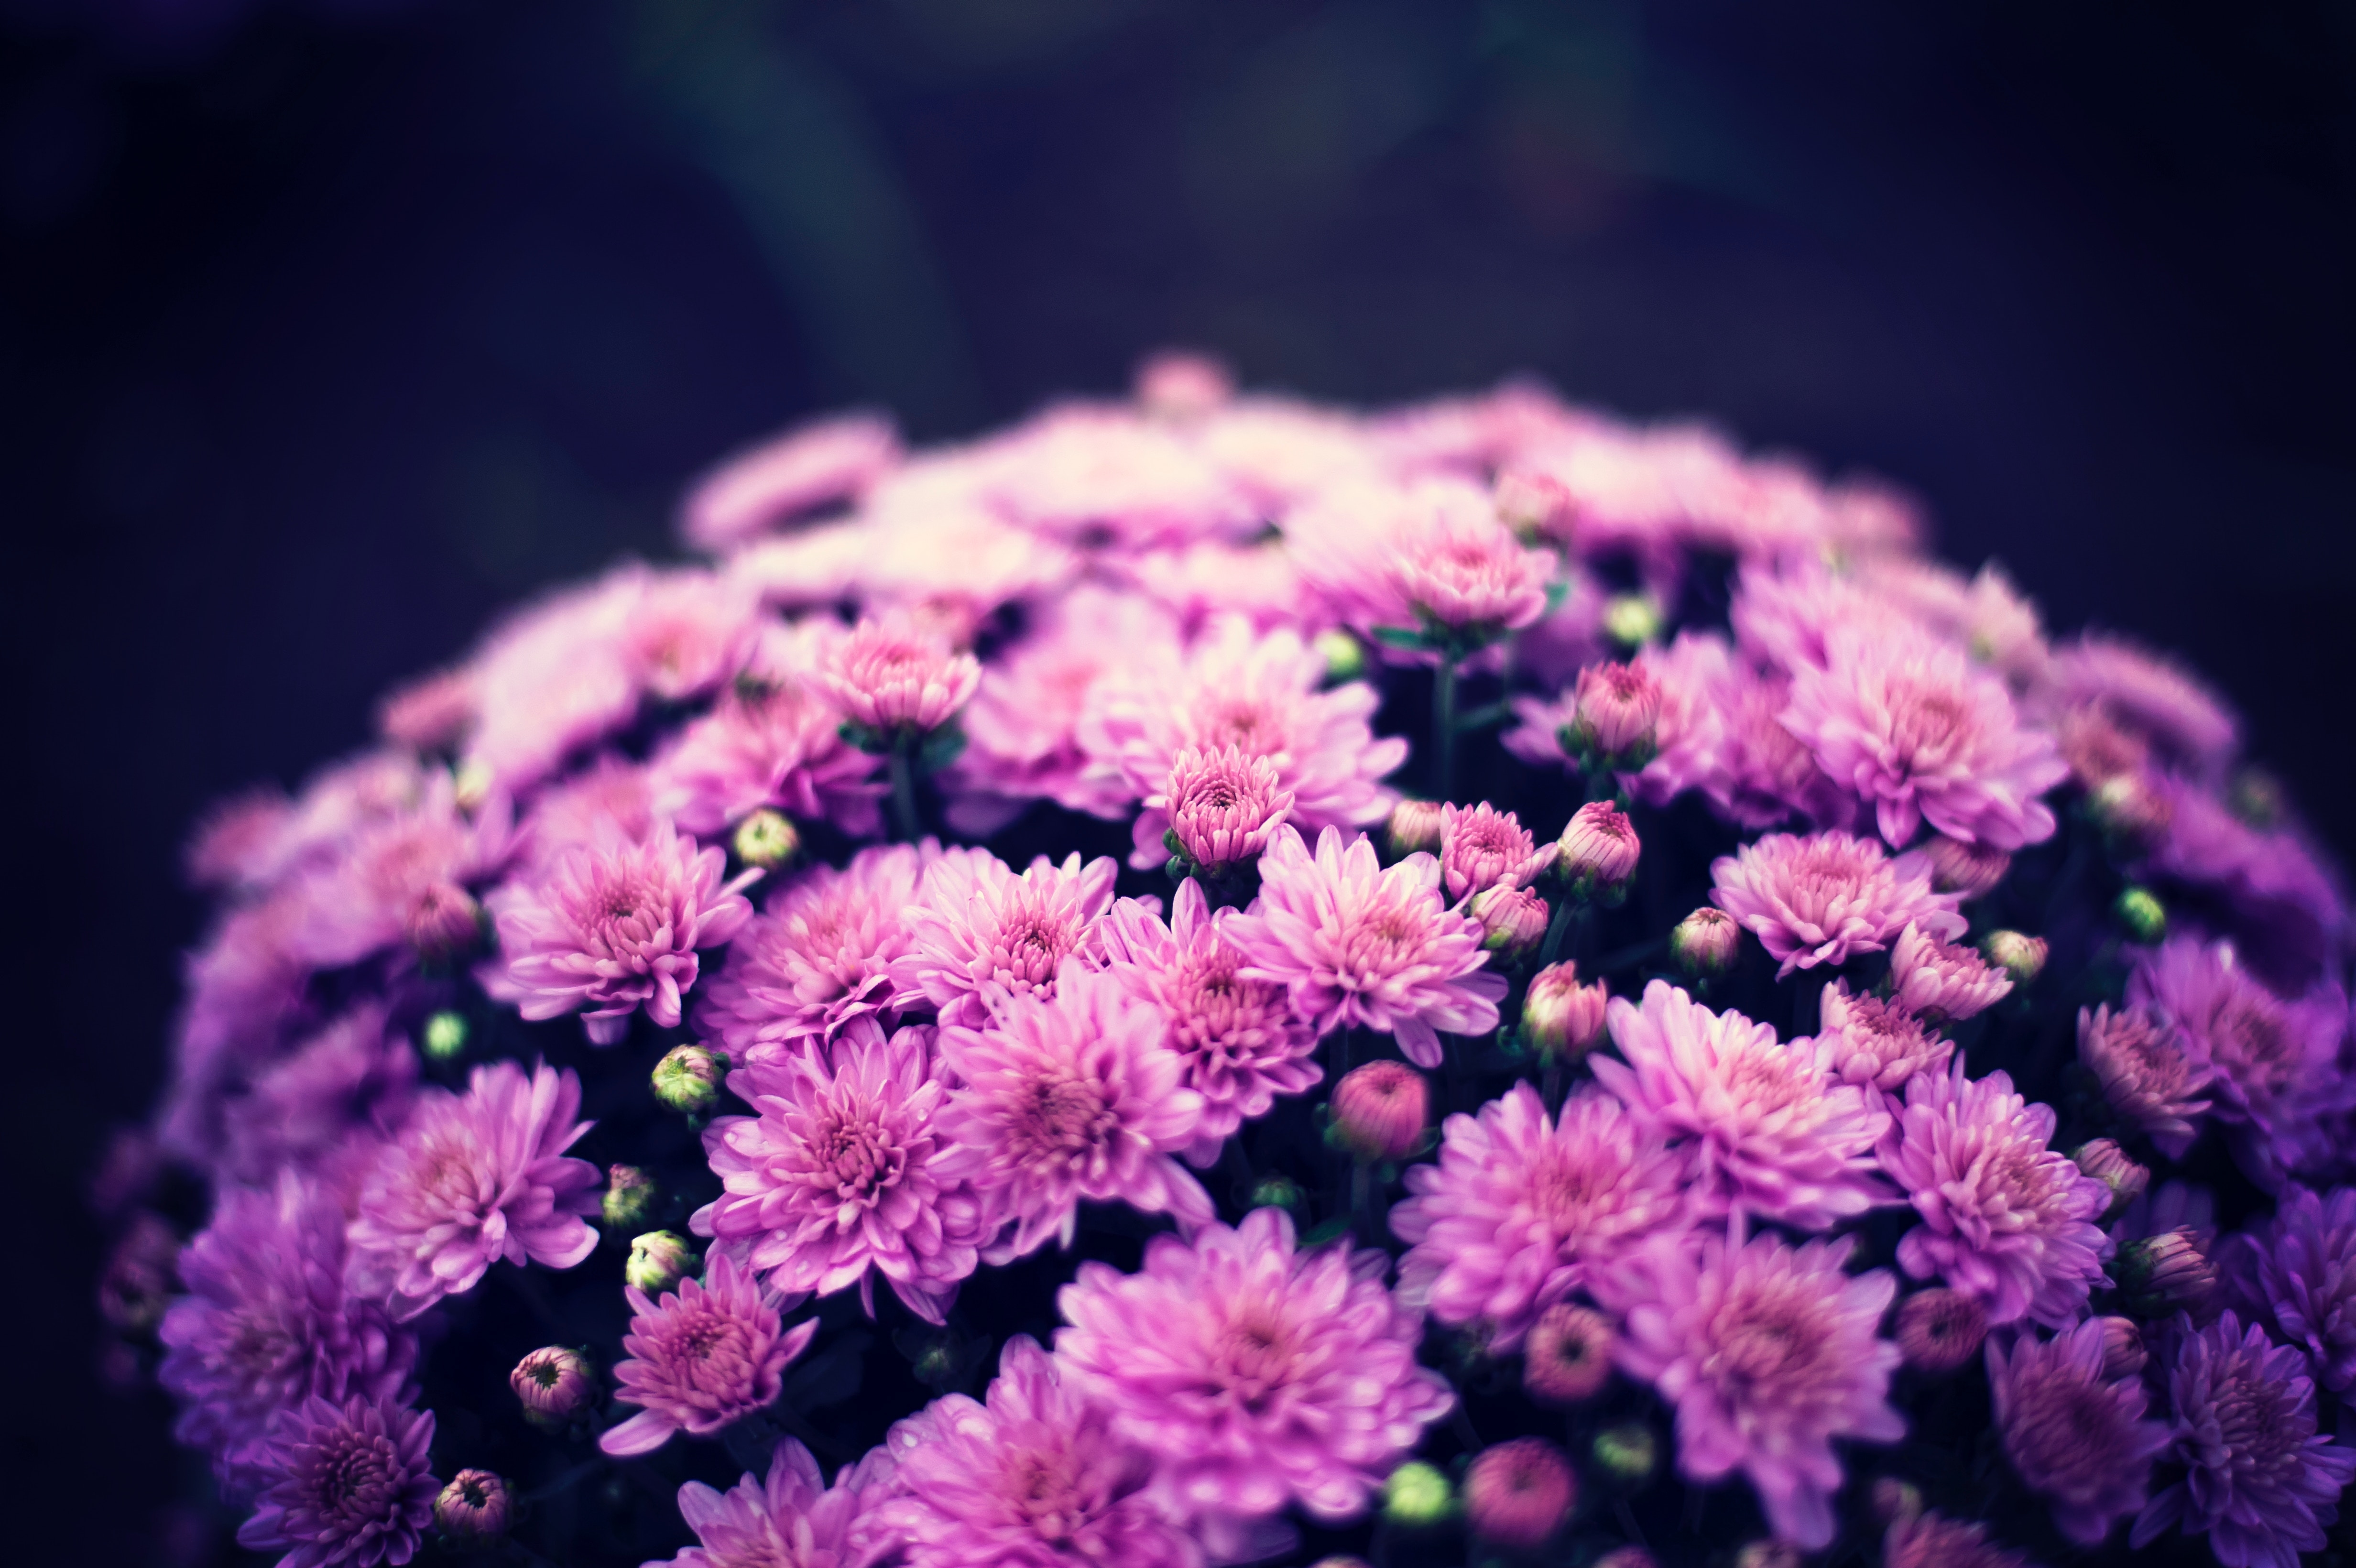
(1400, 637)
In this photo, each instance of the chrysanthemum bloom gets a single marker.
(1033, 1478)
(1241, 1045)
(1415, 824)
(320, 1101)
(1522, 1208)
(1759, 774)
(1567, 1355)
(348, 1485)
(1357, 944)
(807, 467)
(402, 876)
(1939, 1329)
(2303, 1269)
(701, 1359)
(773, 739)
(1597, 852)
(1432, 553)
(553, 678)
(1969, 870)
(1929, 1540)
(1941, 981)
(837, 1178)
(1077, 1096)
(614, 926)
(1779, 1135)
(979, 934)
(1828, 897)
(1380, 1110)
(1908, 723)
(1768, 1353)
(1878, 1043)
(2072, 1435)
(2261, 1482)
(1481, 847)
(1255, 1375)
(267, 1322)
(1223, 805)
(790, 1519)
(1518, 1494)
(2005, 1217)
(472, 1178)
(894, 674)
(2160, 700)
(2262, 1051)
(818, 955)
(1560, 1016)
(2147, 1072)
(554, 1385)
(689, 631)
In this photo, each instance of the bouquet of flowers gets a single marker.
(1214, 980)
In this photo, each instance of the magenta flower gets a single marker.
(2148, 1072)
(1357, 945)
(1482, 848)
(1878, 1043)
(790, 1519)
(552, 678)
(472, 1178)
(818, 955)
(701, 1359)
(1432, 552)
(1223, 805)
(1827, 897)
(2005, 1218)
(1779, 1135)
(836, 1179)
(1940, 981)
(2263, 1051)
(1241, 1044)
(2261, 1482)
(2074, 1435)
(1078, 1095)
(1928, 1540)
(772, 740)
(348, 1485)
(1656, 721)
(689, 631)
(1768, 1353)
(388, 880)
(1254, 1374)
(319, 1101)
(1760, 772)
(2139, 687)
(1523, 1207)
(895, 674)
(613, 925)
(2303, 1269)
(978, 934)
(804, 469)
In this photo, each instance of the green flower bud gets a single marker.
(1632, 620)
(767, 839)
(446, 1036)
(1344, 656)
(688, 1078)
(2023, 957)
(659, 1260)
(1628, 1453)
(1277, 1191)
(2145, 917)
(1418, 1494)
(629, 1200)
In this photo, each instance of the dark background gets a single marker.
(328, 328)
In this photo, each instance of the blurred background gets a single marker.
(329, 326)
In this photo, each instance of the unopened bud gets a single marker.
(2130, 811)
(767, 839)
(1415, 824)
(2257, 797)
(1704, 943)
(1632, 620)
(1939, 1329)
(141, 1275)
(2170, 1273)
(1532, 504)
(1770, 1554)
(2023, 957)
(2145, 917)
(1378, 1111)
(1568, 1357)
(1277, 1190)
(446, 1036)
(1896, 1501)
(471, 785)
(1181, 386)
(1615, 717)
(2123, 1352)
(445, 923)
(2108, 1164)
(555, 1386)
(1972, 869)
(1596, 853)
(1561, 1018)
(473, 1510)
(659, 1260)
(1418, 1494)
(1344, 656)
(1513, 920)
(629, 1200)
(688, 1078)
(1628, 1453)
(1518, 1494)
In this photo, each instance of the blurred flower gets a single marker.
(1518, 1494)
(790, 1519)
(1941, 981)
(348, 1484)
(2072, 1435)
(1380, 1111)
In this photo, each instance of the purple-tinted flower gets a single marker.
(1560, 1016)
(2264, 1051)
(896, 674)
(389, 879)
(772, 740)
(1617, 709)
(688, 632)
(2304, 1265)
(2260, 1481)
(1431, 554)
(2147, 1072)
(554, 1385)
(1779, 1135)
(2005, 1218)
(1970, 870)
(1567, 1355)
(837, 1178)
(1759, 773)
(2124, 1355)
(1223, 805)
(701, 1359)
(267, 1322)
(1939, 1329)
(819, 953)
(801, 471)
(321, 1099)
(1356, 943)
(1074, 1096)
(1241, 1044)
(613, 925)
(1821, 899)
(2075, 1437)
(2107, 1163)
(1597, 852)
(1255, 1375)
(1381, 1110)
(2146, 691)
(1928, 1540)
(1941, 981)
(1522, 1208)
(1878, 1043)
(1768, 1353)
(348, 1484)
(1518, 1494)
(1481, 847)
(474, 1509)
(472, 1178)
(1033, 1478)
(978, 934)
(791, 1519)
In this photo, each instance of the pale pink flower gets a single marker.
(612, 796)
(1983, 614)
(1173, 384)
(1279, 451)
(798, 471)
(895, 674)
(553, 678)
(701, 1359)
(1429, 553)
(2147, 692)
(233, 844)
(1223, 805)
(1598, 851)
(1760, 772)
(1876, 1042)
(1785, 610)
(1824, 898)
(1482, 848)
(431, 713)
(1201, 582)
(1941, 981)
(689, 631)
(979, 934)
(1085, 473)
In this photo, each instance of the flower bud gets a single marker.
(2130, 811)
(445, 923)
(2023, 957)
(2257, 797)
(1971, 870)
(473, 1510)
(1596, 853)
(688, 1078)
(2170, 1273)
(2145, 917)
(1277, 1190)
(1513, 920)
(2108, 1164)
(1615, 717)
(1415, 825)
(1703, 943)
(629, 1200)
(1418, 1494)
(1770, 1554)
(141, 1275)
(1517, 1494)
(1180, 387)
(1632, 620)
(1561, 1018)
(1380, 1110)
(659, 1260)
(1344, 656)
(2123, 1352)
(1896, 1501)
(1939, 1329)
(1224, 805)
(1532, 504)
(1568, 1357)
(446, 1036)
(1628, 1453)
(555, 1386)
(767, 839)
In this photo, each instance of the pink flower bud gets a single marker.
(555, 1385)
(1178, 386)
(1518, 1494)
(1415, 824)
(1481, 847)
(1939, 980)
(2131, 810)
(1597, 852)
(1223, 805)
(1703, 943)
(1512, 919)
(445, 922)
(1562, 1018)
(2164, 1275)
(1379, 1110)
(1568, 1357)
(1616, 715)
(2108, 1164)
(1971, 870)
(2023, 957)
(2123, 1352)
(896, 674)
(474, 1509)
(1533, 505)
(1940, 1329)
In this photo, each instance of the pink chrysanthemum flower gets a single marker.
(895, 674)
(551, 679)
(979, 934)
(818, 955)
(1768, 1353)
(1069, 1097)
(1657, 717)
(1779, 1136)
(688, 632)
(701, 1359)
(472, 1178)
(1255, 1375)
(388, 879)
(1355, 944)
(837, 1179)
(351, 1486)
(2262, 1051)
(1523, 1206)
(2150, 1071)
(1827, 897)
(2005, 1218)
(1223, 805)
(2072, 1435)
(613, 925)
(1432, 552)
(1928, 1540)
(1033, 1478)
(1081, 472)
(609, 797)
(1940, 981)
(790, 1518)
(1760, 772)
(1910, 725)
(807, 467)
(772, 740)
(1878, 1043)
(2146, 691)
(1481, 847)
(1241, 1044)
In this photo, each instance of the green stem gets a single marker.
(1443, 726)
(1552, 947)
(904, 788)
(1362, 1200)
